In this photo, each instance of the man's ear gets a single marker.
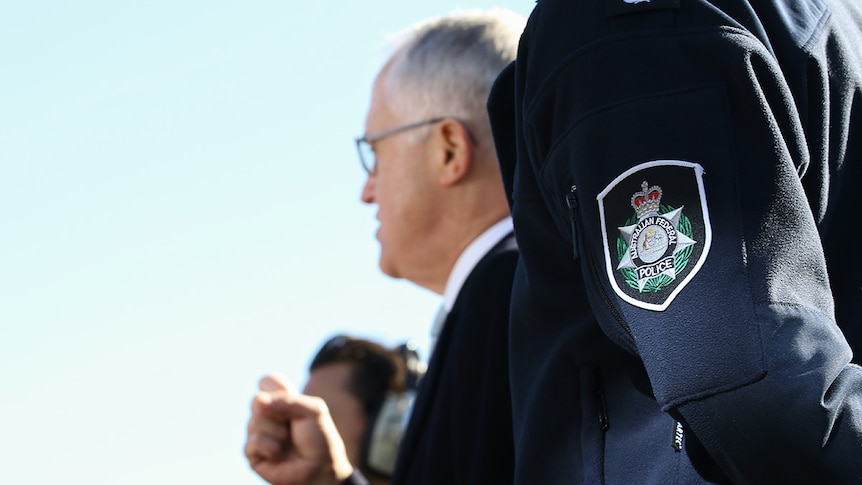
(453, 151)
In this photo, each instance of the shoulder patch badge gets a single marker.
(656, 231)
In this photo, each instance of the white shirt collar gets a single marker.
(470, 257)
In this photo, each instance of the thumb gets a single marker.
(275, 383)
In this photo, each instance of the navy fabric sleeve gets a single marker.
(679, 139)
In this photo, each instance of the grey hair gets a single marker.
(445, 67)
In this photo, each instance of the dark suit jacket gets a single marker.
(460, 430)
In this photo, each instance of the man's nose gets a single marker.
(367, 195)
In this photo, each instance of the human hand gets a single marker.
(292, 439)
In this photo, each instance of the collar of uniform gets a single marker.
(470, 257)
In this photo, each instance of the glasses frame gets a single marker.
(368, 139)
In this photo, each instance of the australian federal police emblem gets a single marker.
(656, 231)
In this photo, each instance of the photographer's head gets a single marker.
(355, 377)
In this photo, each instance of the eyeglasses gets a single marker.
(366, 152)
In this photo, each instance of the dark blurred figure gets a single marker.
(368, 390)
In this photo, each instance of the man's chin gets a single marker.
(388, 268)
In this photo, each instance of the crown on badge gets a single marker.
(648, 201)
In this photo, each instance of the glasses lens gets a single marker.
(366, 156)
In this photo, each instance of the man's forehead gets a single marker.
(333, 374)
(381, 113)
(381, 105)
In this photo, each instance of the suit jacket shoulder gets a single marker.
(461, 427)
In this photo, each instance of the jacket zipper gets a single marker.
(572, 203)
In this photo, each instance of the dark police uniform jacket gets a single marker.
(684, 181)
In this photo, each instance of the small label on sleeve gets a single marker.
(678, 433)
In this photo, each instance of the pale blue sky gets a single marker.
(179, 215)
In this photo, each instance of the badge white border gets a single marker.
(698, 170)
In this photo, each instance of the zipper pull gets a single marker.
(572, 202)
(603, 410)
